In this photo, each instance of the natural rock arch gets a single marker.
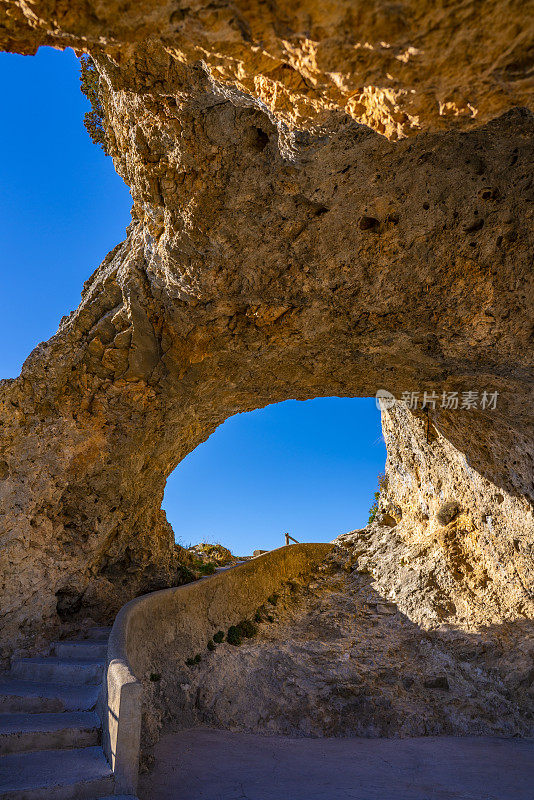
(263, 263)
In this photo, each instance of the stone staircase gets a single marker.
(49, 730)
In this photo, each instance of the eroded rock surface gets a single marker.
(468, 540)
(280, 249)
(338, 658)
(397, 67)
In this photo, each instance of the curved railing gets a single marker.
(157, 630)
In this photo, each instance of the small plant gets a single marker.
(195, 660)
(184, 575)
(211, 645)
(206, 568)
(219, 637)
(243, 630)
(233, 637)
(155, 677)
(273, 599)
(90, 86)
(373, 511)
(247, 629)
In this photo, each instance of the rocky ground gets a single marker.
(338, 658)
(207, 556)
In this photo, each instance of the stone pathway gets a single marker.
(208, 764)
(49, 731)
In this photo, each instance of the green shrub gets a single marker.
(195, 660)
(243, 630)
(90, 86)
(373, 511)
(219, 637)
(211, 645)
(184, 575)
(206, 568)
(273, 599)
(155, 676)
(202, 567)
(247, 629)
(233, 637)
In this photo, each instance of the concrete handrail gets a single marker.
(174, 624)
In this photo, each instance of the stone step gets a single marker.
(57, 670)
(81, 649)
(97, 633)
(79, 774)
(33, 698)
(59, 731)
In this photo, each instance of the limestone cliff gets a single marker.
(472, 539)
(279, 248)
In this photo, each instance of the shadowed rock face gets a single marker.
(266, 261)
(336, 658)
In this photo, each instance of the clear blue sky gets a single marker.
(62, 206)
(309, 468)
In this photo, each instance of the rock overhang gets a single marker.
(281, 247)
